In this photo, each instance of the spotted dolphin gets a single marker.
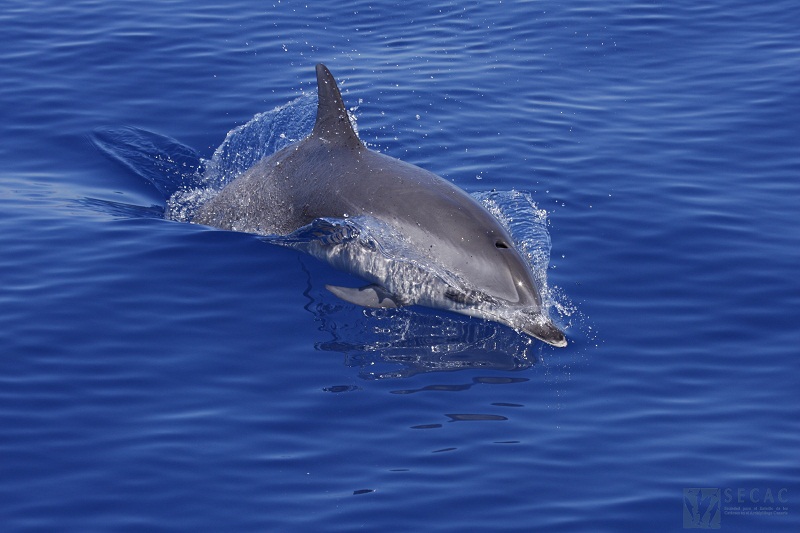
(462, 259)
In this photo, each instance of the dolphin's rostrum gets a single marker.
(463, 259)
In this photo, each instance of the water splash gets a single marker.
(263, 135)
(527, 224)
(243, 147)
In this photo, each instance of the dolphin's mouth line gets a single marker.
(468, 297)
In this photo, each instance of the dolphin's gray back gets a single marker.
(332, 174)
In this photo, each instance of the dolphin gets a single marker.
(460, 257)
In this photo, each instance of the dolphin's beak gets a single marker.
(546, 331)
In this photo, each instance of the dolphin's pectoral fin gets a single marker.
(367, 296)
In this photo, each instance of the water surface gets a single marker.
(162, 376)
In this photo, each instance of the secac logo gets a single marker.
(703, 507)
(756, 496)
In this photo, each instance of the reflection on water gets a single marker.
(471, 417)
(475, 381)
(404, 342)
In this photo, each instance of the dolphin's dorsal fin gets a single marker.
(333, 124)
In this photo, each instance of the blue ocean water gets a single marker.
(163, 376)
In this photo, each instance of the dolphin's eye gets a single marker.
(501, 244)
